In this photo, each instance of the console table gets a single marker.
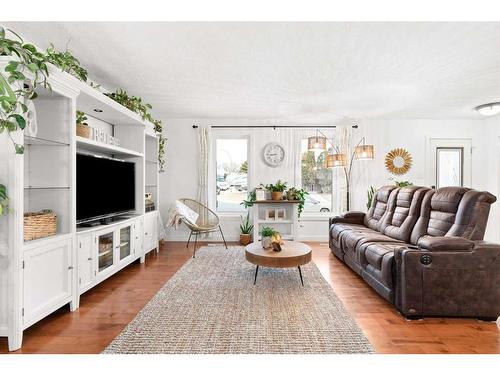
(287, 225)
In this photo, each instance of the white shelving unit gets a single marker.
(287, 226)
(40, 276)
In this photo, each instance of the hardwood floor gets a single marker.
(109, 307)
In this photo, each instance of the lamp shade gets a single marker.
(316, 143)
(364, 152)
(336, 160)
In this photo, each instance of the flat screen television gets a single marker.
(104, 188)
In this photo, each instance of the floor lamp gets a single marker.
(338, 159)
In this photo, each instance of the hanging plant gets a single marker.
(135, 104)
(66, 62)
(15, 92)
(4, 199)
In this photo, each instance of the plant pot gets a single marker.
(83, 130)
(245, 239)
(276, 195)
(267, 242)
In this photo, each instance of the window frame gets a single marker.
(212, 175)
(299, 136)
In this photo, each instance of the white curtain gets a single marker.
(203, 167)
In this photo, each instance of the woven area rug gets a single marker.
(211, 306)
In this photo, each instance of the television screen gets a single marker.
(104, 187)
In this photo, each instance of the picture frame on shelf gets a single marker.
(270, 214)
(281, 214)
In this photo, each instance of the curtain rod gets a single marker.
(274, 127)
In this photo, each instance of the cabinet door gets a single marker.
(150, 231)
(86, 260)
(47, 279)
(137, 234)
(125, 239)
(105, 251)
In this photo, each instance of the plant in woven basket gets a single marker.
(299, 195)
(277, 190)
(81, 118)
(4, 199)
(246, 230)
(66, 62)
(16, 89)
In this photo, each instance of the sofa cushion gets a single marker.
(337, 229)
(381, 201)
(352, 242)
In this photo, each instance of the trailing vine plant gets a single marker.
(66, 62)
(137, 105)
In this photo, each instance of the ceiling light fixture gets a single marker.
(489, 109)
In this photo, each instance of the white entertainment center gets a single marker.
(40, 276)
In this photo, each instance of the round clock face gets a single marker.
(274, 154)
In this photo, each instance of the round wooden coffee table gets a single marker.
(293, 254)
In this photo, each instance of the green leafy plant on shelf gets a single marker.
(246, 227)
(66, 62)
(278, 187)
(369, 195)
(137, 105)
(81, 118)
(403, 183)
(16, 88)
(267, 232)
(4, 199)
(298, 195)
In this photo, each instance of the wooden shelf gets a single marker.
(91, 145)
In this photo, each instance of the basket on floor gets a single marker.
(39, 224)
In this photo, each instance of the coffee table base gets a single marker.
(257, 271)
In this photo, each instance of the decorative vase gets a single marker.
(276, 195)
(267, 242)
(245, 238)
(83, 130)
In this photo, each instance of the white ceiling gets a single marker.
(289, 72)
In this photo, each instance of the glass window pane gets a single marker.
(316, 180)
(449, 167)
(231, 180)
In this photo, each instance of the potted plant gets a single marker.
(246, 231)
(82, 128)
(277, 190)
(267, 237)
(294, 194)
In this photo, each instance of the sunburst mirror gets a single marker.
(398, 161)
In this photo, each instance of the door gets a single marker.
(105, 251)
(86, 260)
(150, 233)
(47, 279)
(450, 162)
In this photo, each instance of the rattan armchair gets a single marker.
(207, 222)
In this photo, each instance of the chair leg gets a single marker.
(222, 234)
(195, 244)
(189, 239)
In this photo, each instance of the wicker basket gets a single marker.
(83, 130)
(39, 224)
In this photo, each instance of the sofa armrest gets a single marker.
(351, 217)
(445, 243)
(449, 282)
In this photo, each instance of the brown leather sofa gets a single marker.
(423, 250)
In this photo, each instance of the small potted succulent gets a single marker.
(82, 128)
(246, 231)
(267, 234)
(277, 190)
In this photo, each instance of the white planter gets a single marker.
(266, 242)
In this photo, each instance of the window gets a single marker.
(449, 166)
(316, 180)
(232, 174)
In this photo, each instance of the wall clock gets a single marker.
(274, 154)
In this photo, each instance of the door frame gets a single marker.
(433, 143)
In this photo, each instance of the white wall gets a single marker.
(180, 177)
